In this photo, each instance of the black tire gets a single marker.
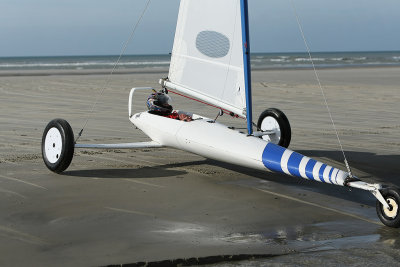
(389, 217)
(58, 145)
(285, 133)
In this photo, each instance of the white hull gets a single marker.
(213, 140)
(204, 137)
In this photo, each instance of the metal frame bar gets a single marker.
(373, 188)
(131, 97)
(262, 133)
(151, 144)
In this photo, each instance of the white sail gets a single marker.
(207, 57)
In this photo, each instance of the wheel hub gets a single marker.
(271, 124)
(53, 145)
(393, 208)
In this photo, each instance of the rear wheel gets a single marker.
(58, 145)
(389, 216)
(275, 121)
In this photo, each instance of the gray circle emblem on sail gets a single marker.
(212, 44)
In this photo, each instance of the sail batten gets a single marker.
(211, 62)
(207, 56)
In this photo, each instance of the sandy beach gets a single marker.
(149, 205)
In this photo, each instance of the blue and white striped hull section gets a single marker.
(279, 159)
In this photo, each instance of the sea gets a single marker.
(258, 61)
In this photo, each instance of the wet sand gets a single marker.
(127, 206)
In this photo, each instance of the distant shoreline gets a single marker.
(56, 72)
(167, 54)
(163, 71)
(85, 65)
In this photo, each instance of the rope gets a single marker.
(113, 69)
(321, 88)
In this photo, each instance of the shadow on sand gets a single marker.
(142, 172)
(379, 169)
(376, 169)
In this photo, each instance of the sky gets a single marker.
(101, 27)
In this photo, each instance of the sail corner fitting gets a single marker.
(162, 82)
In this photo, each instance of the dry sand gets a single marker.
(115, 207)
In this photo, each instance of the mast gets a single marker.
(246, 63)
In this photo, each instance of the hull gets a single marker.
(213, 140)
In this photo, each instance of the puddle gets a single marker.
(332, 234)
(180, 228)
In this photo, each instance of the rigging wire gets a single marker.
(320, 86)
(106, 83)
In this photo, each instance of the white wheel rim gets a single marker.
(391, 213)
(271, 124)
(53, 145)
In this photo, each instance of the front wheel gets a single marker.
(275, 121)
(389, 216)
(58, 145)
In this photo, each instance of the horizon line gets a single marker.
(166, 54)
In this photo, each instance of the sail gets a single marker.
(207, 56)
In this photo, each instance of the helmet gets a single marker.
(157, 103)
